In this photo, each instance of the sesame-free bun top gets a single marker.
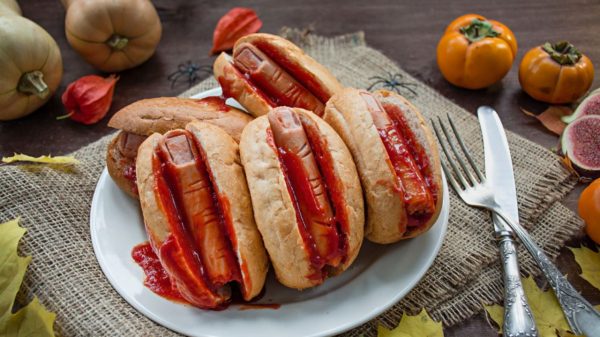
(274, 211)
(347, 112)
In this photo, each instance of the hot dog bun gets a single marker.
(275, 211)
(147, 116)
(220, 155)
(162, 114)
(307, 74)
(388, 216)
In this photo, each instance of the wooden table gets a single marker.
(407, 32)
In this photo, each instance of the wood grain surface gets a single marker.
(406, 31)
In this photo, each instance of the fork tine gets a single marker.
(451, 179)
(465, 150)
(458, 156)
(447, 153)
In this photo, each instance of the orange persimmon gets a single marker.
(475, 52)
(589, 210)
(556, 73)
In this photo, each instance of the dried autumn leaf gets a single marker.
(589, 261)
(33, 319)
(551, 117)
(548, 314)
(237, 23)
(420, 325)
(61, 160)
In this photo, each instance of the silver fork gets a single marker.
(580, 314)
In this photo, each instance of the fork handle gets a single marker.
(580, 314)
(518, 319)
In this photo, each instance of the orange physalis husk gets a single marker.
(238, 22)
(88, 99)
(551, 117)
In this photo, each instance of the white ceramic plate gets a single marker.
(379, 278)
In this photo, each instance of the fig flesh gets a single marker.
(589, 106)
(580, 143)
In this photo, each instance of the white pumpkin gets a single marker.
(9, 7)
(30, 66)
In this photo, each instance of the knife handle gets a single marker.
(518, 319)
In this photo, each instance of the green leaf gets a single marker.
(589, 261)
(33, 319)
(420, 325)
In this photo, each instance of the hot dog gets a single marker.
(306, 195)
(267, 71)
(197, 214)
(397, 160)
(142, 118)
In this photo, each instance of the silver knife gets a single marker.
(518, 319)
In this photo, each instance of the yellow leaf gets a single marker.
(496, 313)
(33, 319)
(589, 261)
(546, 310)
(420, 325)
(62, 160)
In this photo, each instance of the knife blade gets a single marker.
(518, 319)
(498, 164)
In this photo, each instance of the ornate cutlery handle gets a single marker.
(518, 319)
(580, 314)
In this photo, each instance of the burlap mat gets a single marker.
(54, 205)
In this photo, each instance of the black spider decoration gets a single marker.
(190, 70)
(393, 82)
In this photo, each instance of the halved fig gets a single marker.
(580, 143)
(589, 106)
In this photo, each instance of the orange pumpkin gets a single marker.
(112, 35)
(556, 73)
(475, 52)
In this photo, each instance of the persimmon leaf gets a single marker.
(551, 118)
(63, 160)
(420, 325)
(32, 319)
(589, 261)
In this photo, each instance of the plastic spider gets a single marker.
(393, 82)
(190, 70)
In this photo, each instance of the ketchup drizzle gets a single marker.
(157, 279)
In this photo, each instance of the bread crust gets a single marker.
(348, 114)
(116, 165)
(273, 208)
(244, 93)
(163, 114)
(422, 132)
(223, 160)
(155, 220)
(385, 208)
(298, 59)
(321, 82)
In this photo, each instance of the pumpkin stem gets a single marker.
(478, 30)
(117, 42)
(562, 52)
(32, 83)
